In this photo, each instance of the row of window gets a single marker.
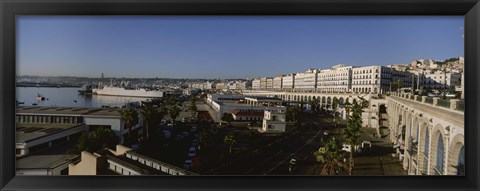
(47, 119)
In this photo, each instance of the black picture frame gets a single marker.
(9, 9)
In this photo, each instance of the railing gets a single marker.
(419, 98)
(451, 104)
(429, 100)
(461, 106)
(443, 103)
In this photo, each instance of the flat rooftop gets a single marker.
(44, 161)
(26, 132)
(78, 111)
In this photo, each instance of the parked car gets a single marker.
(348, 148)
(178, 137)
(450, 95)
(195, 142)
(326, 132)
(187, 163)
(193, 129)
(191, 152)
(366, 146)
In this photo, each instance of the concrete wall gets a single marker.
(87, 166)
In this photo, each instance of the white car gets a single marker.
(450, 95)
(346, 147)
(326, 132)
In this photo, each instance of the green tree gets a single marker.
(292, 112)
(193, 104)
(130, 118)
(397, 84)
(352, 132)
(230, 140)
(228, 117)
(348, 108)
(174, 113)
(334, 108)
(314, 103)
(100, 138)
(151, 119)
(330, 156)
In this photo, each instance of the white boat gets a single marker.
(134, 92)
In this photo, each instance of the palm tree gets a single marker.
(348, 107)
(174, 112)
(352, 132)
(314, 104)
(130, 118)
(334, 108)
(151, 116)
(230, 139)
(330, 155)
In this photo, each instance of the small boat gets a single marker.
(34, 103)
(86, 89)
(40, 97)
(75, 101)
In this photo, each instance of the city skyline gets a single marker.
(212, 47)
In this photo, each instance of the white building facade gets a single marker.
(335, 80)
(306, 81)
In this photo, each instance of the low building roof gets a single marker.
(44, 161)
(76, 111)
(26, 132)
(247, 113)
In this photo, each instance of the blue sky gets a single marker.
(227, 46)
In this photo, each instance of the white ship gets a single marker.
(128, 92)
(119, 91)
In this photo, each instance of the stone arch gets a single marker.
(438, 136)
(415, 129)
(335, 99)
(456, 146)
(424, 147)
(341, 101)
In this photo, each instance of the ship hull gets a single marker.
(127, 93)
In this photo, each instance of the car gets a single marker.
(187, 163)
(195, 142)
(348, 148)
(450, 95)
(326, 132)
(193, 129)
(178, 137)
(366, 145)
(185, 133)
(191, 152)
(170, 125)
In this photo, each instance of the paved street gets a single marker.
(274, 158)
(371, 164)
